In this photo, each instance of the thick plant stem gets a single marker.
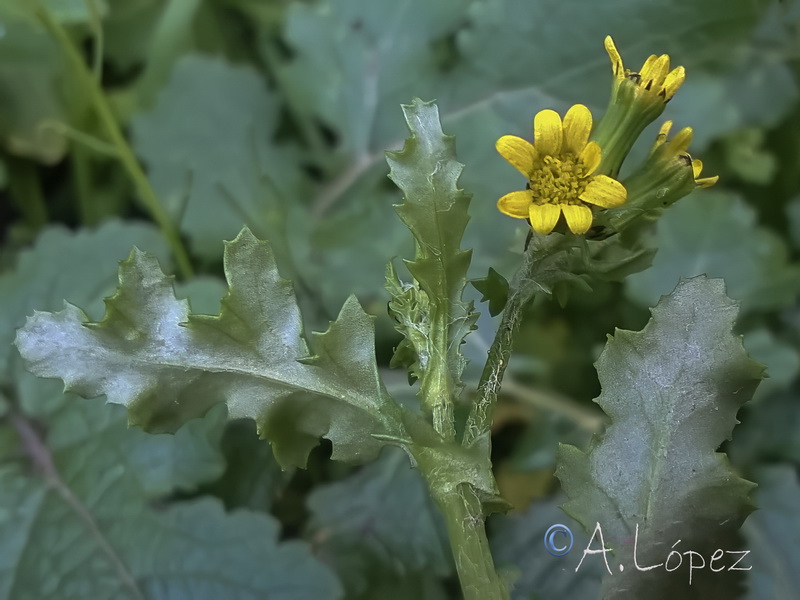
(464, 518)
(123, 150)
(480, 419)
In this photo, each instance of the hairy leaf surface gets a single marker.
(78, 267)
(83, 509)
(168, 366)
(672, 392)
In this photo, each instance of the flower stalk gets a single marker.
(521, 292)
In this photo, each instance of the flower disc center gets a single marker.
(558, 180)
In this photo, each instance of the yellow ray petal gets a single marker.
(663, 133)
(674, 81)
(544, 217)
(680, 143)
(520, 153)
(647, 67)
(577, 127)
(604, 192)
(515, 204)
(706, 182)
(654, 72)
(697, 167)
(579, 218)
(547, 132)
(590, 157)
(616, 60)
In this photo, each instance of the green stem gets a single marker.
(464, 519)
(479, 421)
(125, 154)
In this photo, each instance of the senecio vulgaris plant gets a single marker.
(671, 391)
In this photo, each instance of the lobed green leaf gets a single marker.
(672, 392)
(434, 209)
(168, 366)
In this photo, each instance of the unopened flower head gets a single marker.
(637, 99)
(561, 169)
(667, 175)
(653, 79)
(677, 149)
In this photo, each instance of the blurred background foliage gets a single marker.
(276, 114)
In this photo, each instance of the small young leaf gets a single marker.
(435, 210)
(410, 310)
(672, 392)
(168, 366)
(494, 288)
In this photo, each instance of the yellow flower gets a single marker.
(559, 166)
(677, 148)
(654, 76)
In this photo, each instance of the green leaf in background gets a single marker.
(77, 519)
(769, 431)
(149, 354)
(772, 535)
(517, 545)
(208, 146)
(30, 70)
(672, 392)
(354, 62)
(387, 585)
(383, 516)
(434, 209)
(253, 478)
(716, 234)
(781, 359)
(746, 157)
(792, 211)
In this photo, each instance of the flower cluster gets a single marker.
(572, 168)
